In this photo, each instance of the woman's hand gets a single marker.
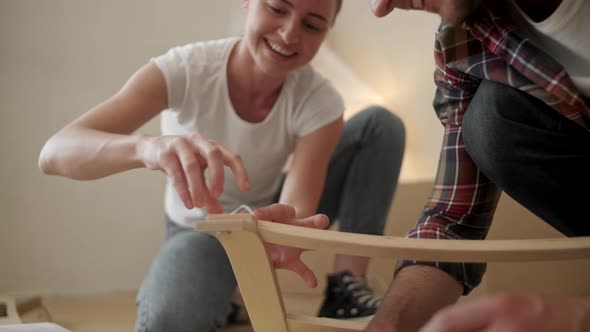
(184, 159)
(289, 258)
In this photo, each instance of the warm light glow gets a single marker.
(357, 94)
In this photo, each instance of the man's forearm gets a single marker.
(414, 296)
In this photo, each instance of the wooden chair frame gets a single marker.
(8, 311)
(243, 236)
(29, 310)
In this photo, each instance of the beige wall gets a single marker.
(58, 59)
(394, 56)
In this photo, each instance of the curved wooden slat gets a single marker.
(399, 247)
(257, 280)
(242, 236)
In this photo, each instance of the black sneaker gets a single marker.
(348, 297)
(238, 313)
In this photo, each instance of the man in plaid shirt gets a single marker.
(513, 80)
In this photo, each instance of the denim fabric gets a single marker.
(190, 284)
(363, 172)
(533, 153)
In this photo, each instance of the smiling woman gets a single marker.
(233, 110)
(296, 28)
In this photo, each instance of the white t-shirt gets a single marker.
(565, 36)
(198, 101)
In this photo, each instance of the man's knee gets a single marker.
(485, 128)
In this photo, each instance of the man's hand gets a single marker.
(289, 258)
(452, 12)
(514, 312)
(381, 8)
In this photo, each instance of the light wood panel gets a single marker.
(242, 237)
(550, 249)
(255, 276)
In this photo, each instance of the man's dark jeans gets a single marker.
(533, 153)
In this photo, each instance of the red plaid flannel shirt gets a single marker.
(463, 200)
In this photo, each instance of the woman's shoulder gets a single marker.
(306, 80)
(203, 52)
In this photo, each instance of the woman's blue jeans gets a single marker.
(190, 284)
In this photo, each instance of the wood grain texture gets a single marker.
(256, 278)
(552, 249)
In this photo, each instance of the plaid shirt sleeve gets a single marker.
(463, 200)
